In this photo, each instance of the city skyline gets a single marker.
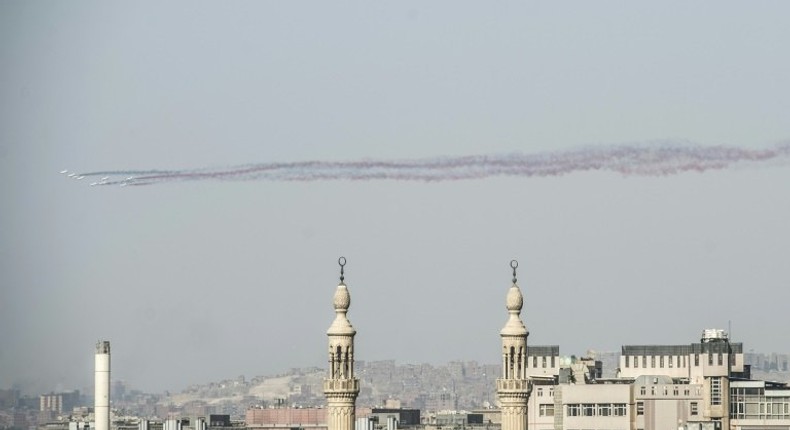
(217, 278)
(763, 360)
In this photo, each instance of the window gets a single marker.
(574, 410)
(715, 390)
(686, 391)
(666, 390)
(588, 409)
(604, 410)
(671, 359)
(636, 362)
(552, 361)
(619, 409)
(627, 360)
(739, 409)
(710, 358)
(551, 391)
(546, 409)
(544, 362)
(640, 408)
(540, 391)
(535, 361)
(661, 361)
(644, 361)
(653, 361)
(720, 359)
(733, 358)
(652, 390)
(694, 408)
(642, 390)
(675, 390)
(696, 359)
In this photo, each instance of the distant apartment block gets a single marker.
(264, 418)
(768, 362)
(59, 402)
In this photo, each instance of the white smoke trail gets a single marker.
(644, 159)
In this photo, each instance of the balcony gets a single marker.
(513, 385)
(341, 385)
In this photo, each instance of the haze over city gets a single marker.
(196, 281)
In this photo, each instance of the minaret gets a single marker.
(514, 387)
(101, 402)
(340, 387)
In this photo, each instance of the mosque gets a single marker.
(341, 387)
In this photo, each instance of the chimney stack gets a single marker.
(102, 391)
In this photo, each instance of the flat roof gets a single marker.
(541, 350)
(694, 348)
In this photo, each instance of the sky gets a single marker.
(204, 280)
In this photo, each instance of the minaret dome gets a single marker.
(514, 302)
(342, 298)
(514, 299)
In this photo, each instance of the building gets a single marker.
(272, 418)
(9, 398)
(698, 386)
(513, 388)
(543, 361)
(341, 388)
(704, 368)
(59, 402)
(402, 417)
(759, 404)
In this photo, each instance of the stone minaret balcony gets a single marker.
(341, 386)
(515, 387)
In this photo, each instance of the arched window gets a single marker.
(520, 373)
(331, 363)
(338, 360)
(512, 359)
(345, 365)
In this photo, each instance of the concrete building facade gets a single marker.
(707, 367)
(759, 405)
(285, 417)
(700, 386)
(59, 402)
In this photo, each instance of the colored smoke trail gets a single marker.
(655, 159)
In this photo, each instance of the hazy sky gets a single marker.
(194, 282)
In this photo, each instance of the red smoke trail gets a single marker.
(657, 159)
